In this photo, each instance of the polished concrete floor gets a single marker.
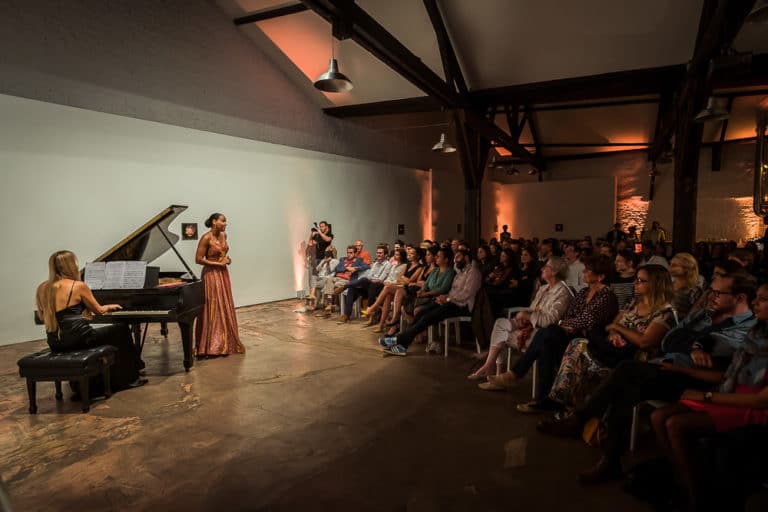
(312, 417)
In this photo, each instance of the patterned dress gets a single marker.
(217, 332)
(580, 372)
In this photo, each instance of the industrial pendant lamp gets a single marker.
(443, 146)
(759, 13)
(333, 80)
(714, 111)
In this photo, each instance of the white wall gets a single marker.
(724, 197)
(533, 209)
(83, 180)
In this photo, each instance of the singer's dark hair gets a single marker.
(211, 218)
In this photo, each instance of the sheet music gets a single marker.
(124, 275)
(95, 274)
(134, 274)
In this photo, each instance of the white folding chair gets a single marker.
(446, 325)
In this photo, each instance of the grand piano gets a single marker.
(180, 300)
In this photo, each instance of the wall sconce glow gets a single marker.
(633, 211)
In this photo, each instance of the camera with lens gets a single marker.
(313, 228)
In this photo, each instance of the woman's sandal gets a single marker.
(393, 330)
(478, 375)
(378, 329)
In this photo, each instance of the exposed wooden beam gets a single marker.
(639, 82)
(453, 74)
(719, 24)
(533, 127)
(368, 33)
(269, 14)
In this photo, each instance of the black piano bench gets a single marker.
(78, 365)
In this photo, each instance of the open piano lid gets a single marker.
(150, 241)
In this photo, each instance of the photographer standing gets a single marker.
(320, 237)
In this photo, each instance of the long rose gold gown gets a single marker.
(216, 332)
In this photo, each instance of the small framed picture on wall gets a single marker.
(189, 230)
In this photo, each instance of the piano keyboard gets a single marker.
(134, 312)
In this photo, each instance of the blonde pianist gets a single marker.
(65, 304)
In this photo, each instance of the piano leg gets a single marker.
(187, 338)
(164, 329)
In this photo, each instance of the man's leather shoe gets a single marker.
(570, 426)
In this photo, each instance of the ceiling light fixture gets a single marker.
(513, 171)
(714, 111)
(759, 13)
(443, 146)
(532, 172)
(333, 80)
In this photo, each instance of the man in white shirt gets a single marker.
(575, 268)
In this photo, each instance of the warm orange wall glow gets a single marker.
(633, 211)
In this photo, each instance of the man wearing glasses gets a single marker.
(695, 355)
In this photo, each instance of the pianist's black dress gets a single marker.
(76, 333)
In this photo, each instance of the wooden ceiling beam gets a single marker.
(369, 34)
(453, 74)
(639, 82)
(269, 14)
(719, 24)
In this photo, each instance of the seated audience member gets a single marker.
(399, 244)
(370, 282)
(694, 356)
(621, 245)
(523, 282)
(623, 282)
(575, 267)
(740, 400)
(409, 273)
(324, 271)
(548, 307)
(659, 256)
(494, 250)
(455, 245)
(347, 269)
(719, 269)
(744, 257)
(439, 281)
(594, 306)
(492, 296)
(457, 302)
(391, 284)
(606, 250)
(409, 292)
(639, 327)
(545, 251)
(65, 304)
(361, 253)
(486, 263)
(685, 274)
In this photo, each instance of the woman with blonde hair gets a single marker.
(65, 304)
(639, 327)
(685, 279)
